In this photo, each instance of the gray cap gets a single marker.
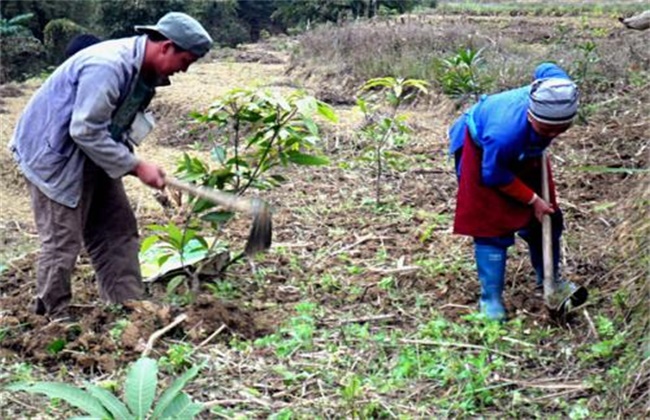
(553, 100)
(183, 30)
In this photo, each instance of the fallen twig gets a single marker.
(358, 242)
(234, 401)
(556, 394)
(348, 247)
(17, 401)
(406, 269)
(592, 327)
(214, 334)
(455, 305)
(459, 345)
(574, 386)
(514, 340)
(228, 402)
(157, 334)
(361, 319)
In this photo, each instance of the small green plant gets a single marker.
(118, 329)
(588, 58)
(384, 127)
(174, 249)
(297, 333)
(171, 241)
(351, 391)
(139, 395)
(178, 357)
(256, 131)
(579, 410)
(223, 289)
(284, 414)
(23, 373)
(460, 75)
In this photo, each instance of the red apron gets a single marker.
(486, 212)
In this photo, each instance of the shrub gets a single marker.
(57, 34)
(15, 26)
(22, 57)
(460, 75)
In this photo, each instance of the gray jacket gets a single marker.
(68, 119)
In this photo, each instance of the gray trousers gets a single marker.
(105, 224)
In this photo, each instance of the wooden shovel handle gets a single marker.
(547, 244)
(229, 201)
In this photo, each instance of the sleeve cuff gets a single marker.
(519, 191)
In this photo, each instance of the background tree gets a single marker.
(229, 22)
(84, 13)
(257, 16)
(222, 21)
(118, 17)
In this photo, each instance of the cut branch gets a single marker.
(159, 333)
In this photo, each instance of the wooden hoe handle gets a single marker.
(547, 244)
(229, 201)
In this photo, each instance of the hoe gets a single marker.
(259, 238)
(560, 298)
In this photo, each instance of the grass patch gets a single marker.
(548, 8)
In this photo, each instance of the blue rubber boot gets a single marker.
(491, 267)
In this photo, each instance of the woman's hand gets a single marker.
(541, 207)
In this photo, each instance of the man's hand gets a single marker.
(150, 174)
(541, 208)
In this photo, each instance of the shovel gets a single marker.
(560, 298)
(259, 238)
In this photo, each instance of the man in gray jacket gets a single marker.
(73, 143)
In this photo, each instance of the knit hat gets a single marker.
(182, 30)
(553, 101)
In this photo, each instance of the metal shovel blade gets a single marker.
(566, 297)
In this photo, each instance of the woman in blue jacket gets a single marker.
(497, 145)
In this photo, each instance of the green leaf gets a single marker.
(148, 243)
(71, 394)
(156, 228)
(384, 82)
(203, 244)
(175, 236)
(110, 402)
(202, 205)
(302, 159)
(219, 154)
(311, 126)
(163, 259)
(218, 216)
(279, 178)
(181, 408)
(140, 386)
(169, 396)
(306, 105)
(173, 284)
(326, 111)
(237, 161)
(56, 346)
